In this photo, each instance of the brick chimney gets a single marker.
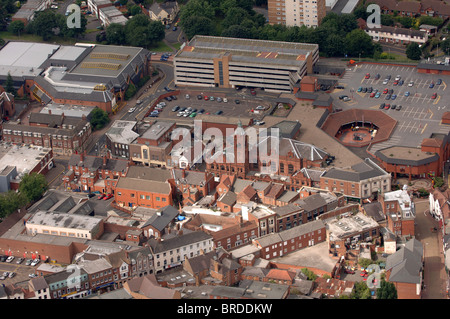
(104, 160)
(183, 173)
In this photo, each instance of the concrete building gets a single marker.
(16, 161)
(120, 136)
(394, 35)
(28, 10)
(231, 62)
(64, 224)
(296, 13)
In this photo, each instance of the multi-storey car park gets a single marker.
(231, 63)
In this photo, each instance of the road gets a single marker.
(434, 270)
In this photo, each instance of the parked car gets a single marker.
(32, 275)
(9, 259)
(219, 112)
(377, 76)
(387, 106)
(35, 262)
(372, 94)
(431, 85)
(260, 107)
(219, 99)
(359, 89)
(211, 98)
(168, 98)
(201, 111)
(206, 98)
(382, 105)
(174, 97)
(237, 101)
(131, 110)
(108, 196)
(377, 95)
(11, 274)
(411, 83)
(385, 91)
(3, 258)
(394, 96)
(19, 260)
(367, 76)
(187, 96)
(28, 262)
(101, 196)
(175, 108)
(252, 92)
(167, 89)
(199, 97)
(388, 97)
(439, 82)
(394, 106)
(407, 93)
(225, 100)
(434, 96)
(398, 108)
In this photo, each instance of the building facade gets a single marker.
(296, 12)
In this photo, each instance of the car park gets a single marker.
(131, 110)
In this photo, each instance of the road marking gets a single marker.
(424, 128)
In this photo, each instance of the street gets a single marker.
(434, 270)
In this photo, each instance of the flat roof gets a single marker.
(157, 129)
(63, 220)
(348, 226)
(69, 53)
(24, 58)
(24, 158)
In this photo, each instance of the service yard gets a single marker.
(419, 99)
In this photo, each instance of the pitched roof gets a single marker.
(163, 217)
(138, 184)
(406, 264)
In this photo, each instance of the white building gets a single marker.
(395, 35)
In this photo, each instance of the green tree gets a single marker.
(200, 8)
(357, 42)
(16, 27)
(44, 24)
(9, 85)
(360, 291)
(234, 16)
(413, 51)
(10, 202)
(130, 92)
(309, 274)
(156, 32)
(134, 10)
(237, 31)
(33, 186)
(334, 45)
(198, 25)
(438, 182)
(99, 118)
(387, 290)
(66, 32)
(387, 19)
(115, 34)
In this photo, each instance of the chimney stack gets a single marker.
(183, 173)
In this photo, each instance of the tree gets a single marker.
(16, 27)
(387, 290)
(234, 16)
(237, 31)
(156, 32)
(134, 10)
(115, 34)
(99, 118)
(360, 291)
(9, 85)
(10, 202)
(309, 274)
(33, 186)
(358, 42)
(197, 25)
(413, 51)
(44, 24)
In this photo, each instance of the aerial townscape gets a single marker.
(224, 150)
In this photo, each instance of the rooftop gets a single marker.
(348, 226)
(63, 220)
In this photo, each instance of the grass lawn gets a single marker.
(163, 47)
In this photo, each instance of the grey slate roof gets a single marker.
(357, 173)
(406, 263)
(162, 218)
(178, 241)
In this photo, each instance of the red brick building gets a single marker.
(282, 243)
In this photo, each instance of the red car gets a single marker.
(101, 196)
(372, 94)
(387, 107)
(107, 197)
(434, 96)
(253, 92)
(385, 91)
(367, 75)
(206, 98)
